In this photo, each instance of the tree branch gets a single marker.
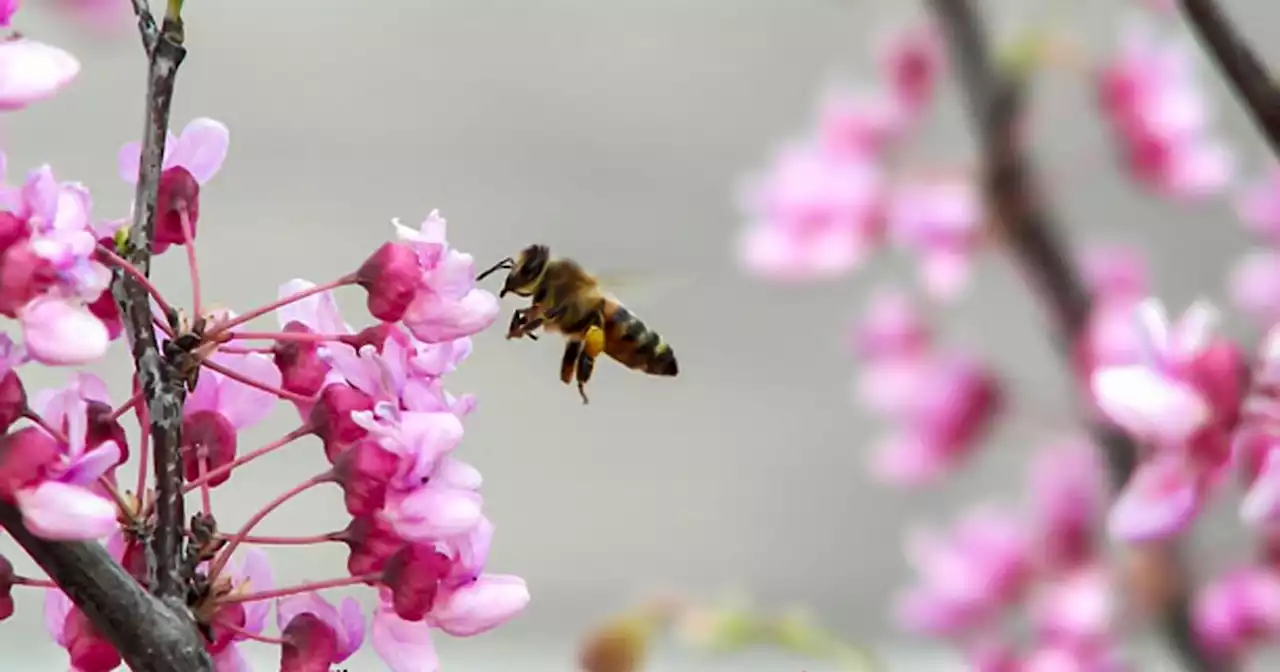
(1011, 187)
(149, 636)
(1248, 76)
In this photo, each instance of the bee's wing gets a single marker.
(640, 288)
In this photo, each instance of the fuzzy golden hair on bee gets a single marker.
(567, 299)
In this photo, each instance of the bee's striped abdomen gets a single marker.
(635, 345)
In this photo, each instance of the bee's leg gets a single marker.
(522, 325)
(570, 361)
(592, 346)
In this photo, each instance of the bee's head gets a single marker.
(526, 270)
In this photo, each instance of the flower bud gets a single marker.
(331, 417)
(13, 399)
(6, 588)
(391, 276)
(301, 369)
(179, 192)
(209, 435)
(363, 471)
(309, 645)
(413, 575)
(371, 543)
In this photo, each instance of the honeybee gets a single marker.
(567, 299)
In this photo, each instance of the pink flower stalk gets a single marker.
(1237, 611)
(968, 577)
(32, 71)
(1151, 98)
(941, 221)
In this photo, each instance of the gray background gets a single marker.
(615, 132)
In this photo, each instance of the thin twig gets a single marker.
(1248, 76)
(1032, 236)
(146, 25)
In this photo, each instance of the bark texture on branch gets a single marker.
(1027, 228)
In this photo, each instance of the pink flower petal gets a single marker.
(405, 646)
(481, 605)
(63, 512)
(1160, 500)
(59, 333)
(433, 319)
(56, 608)
(245, 405)
(31, 71)
(1148, 405)
(201, 148)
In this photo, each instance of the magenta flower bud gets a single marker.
(13, 399)
(102, 428)
(6, 588)
(363, 471)
(179, 192)
(309, 645)
(371, 542)
(331, 418)
(301, 369)
(12, 229)
(23, 277)
(207, 434)
(227, 622)
(414, 575)
(391, 275)
(89, 651)
(25, 459)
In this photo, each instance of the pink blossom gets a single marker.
(220, 407)
(6, 588)
(941, 221)
(1160, 500)
(1068, 490)
(427, 284)
(32, 71)
(316, 634)
(7, 9)
(106, 16)
(191, 159)
(856, 124)
(967, 577)
(1254, 286)
(1078, 609)
(891, 328)
(405, 646)
(249, 573)
(61, 333)
(912, 61)
(1237, 610)
(88, 650)
(1258, 206)
(816, 215)
(1153, 101)
(1155, 400)
(1116, 273)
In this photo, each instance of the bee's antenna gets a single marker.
(505, 263)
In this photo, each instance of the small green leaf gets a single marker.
(121, 239)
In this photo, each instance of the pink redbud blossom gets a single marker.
(1068, 490)
(250, 572)
(1237, 610)
(1258, 206)
(31, 71)
(62, 333)
(1114, 272)
(1151, 97)
(390, 275)
(7, 9)
(857, 124)
(316, 634)
(911, 61)
(1255, 286)
(1078, 609)
(941, 221)
(220, 407)
(816, 215)
(967, 577)
(88, 650)
(191, 159)
(331, 417)
(13, 394)
(891, 328)
(447, 304)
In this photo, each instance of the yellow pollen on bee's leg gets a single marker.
(593, 342)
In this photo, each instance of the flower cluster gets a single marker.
(829, 201)
(1160, 115)
(374, 396)
(940, 403)
(973, 581)
(1199, 410)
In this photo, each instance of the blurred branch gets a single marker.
(146, 25)
(1248, 76)
(994, 102)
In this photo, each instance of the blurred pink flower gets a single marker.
(62, 333)
(1255, 286)
(941, 221)
(816, 215)
(32, 71)
(70, 629)
(107, 16)
(1114, 273)
(1237, 610)
(856, 124)
(1078, 609)
(7, 9)
(316, 634)
(1160, 500)
(220, 407)
(891, 328)
(1258, 206)
(249, 572)
(911, 60)
(1069, 500)
(1152, 99)
(967, 577)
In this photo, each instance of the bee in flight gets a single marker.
(567, 299)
